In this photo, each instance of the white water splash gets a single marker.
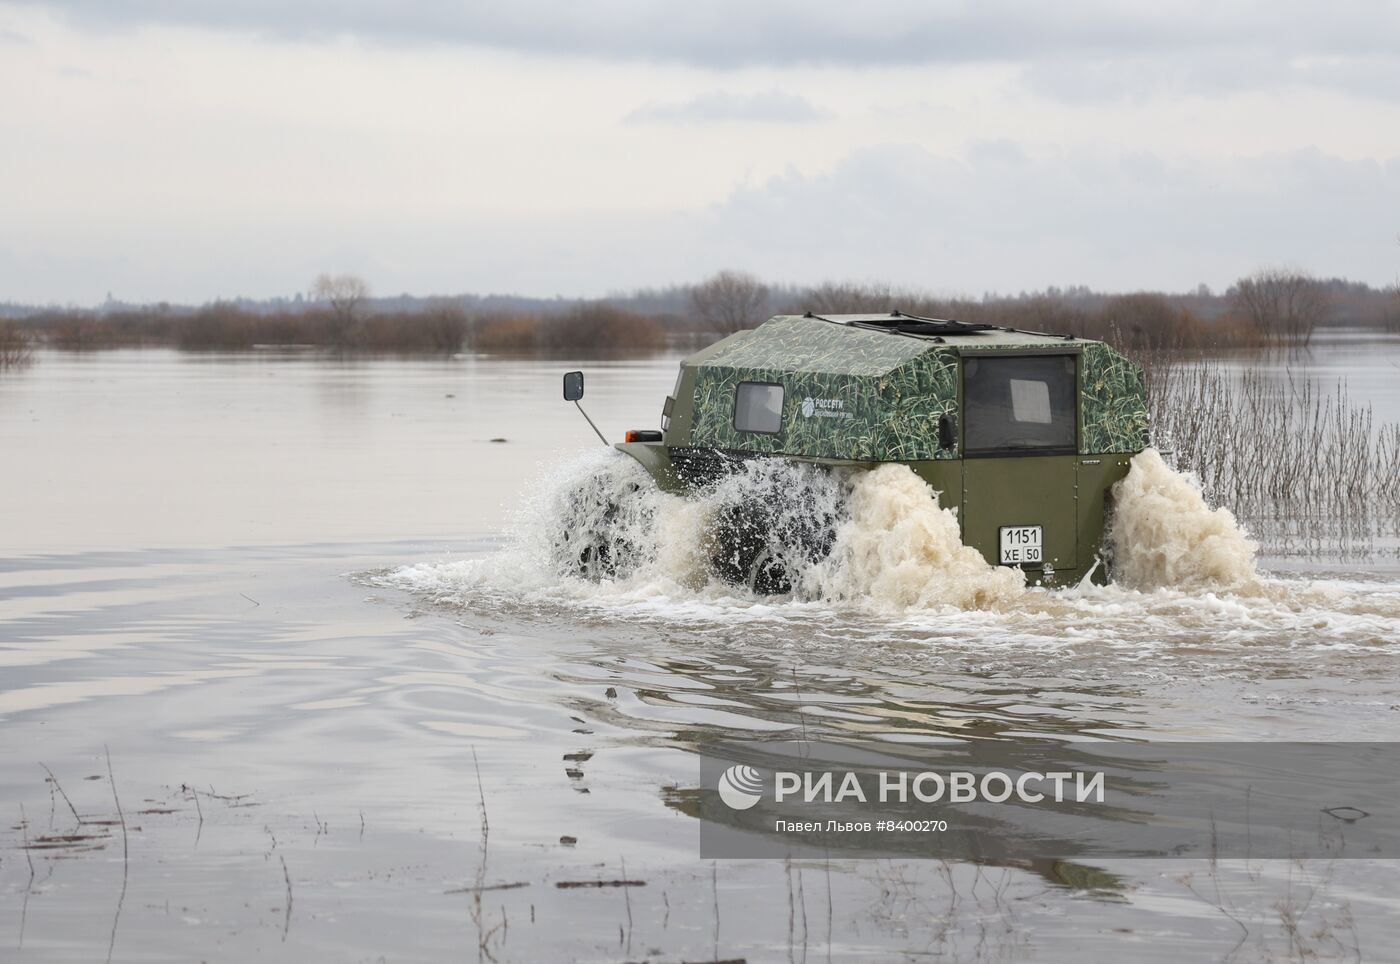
(1165, 536)
(886, 543)
(894, 553)
(899, 549)
(897, 576)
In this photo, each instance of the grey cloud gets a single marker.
(1004, 220)
(721, 107)
(1212, 72)
(998, 219)
(1371, 76)
(736, 33)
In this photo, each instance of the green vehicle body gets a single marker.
(861, 390)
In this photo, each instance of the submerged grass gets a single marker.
(1279, 451)
(16, 345)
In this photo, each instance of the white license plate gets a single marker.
(1021, 545)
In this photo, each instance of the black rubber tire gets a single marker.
(762, 548)
(594, 551)
(741, 552)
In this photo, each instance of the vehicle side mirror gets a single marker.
(947, 430)
(573, 386)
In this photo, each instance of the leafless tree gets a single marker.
(1283, 304)
(878, 297)
(730, 301)
(839, 298)
(345, 294)
(1146, 319)
(446, 325)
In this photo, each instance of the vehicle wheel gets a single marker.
(767, 575)
(740, 550)
(593, 556)
(764, 543)
(601, 530)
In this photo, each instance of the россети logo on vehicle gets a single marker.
(824, 408)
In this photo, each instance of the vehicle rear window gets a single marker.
(758, 407)
(1019, 404)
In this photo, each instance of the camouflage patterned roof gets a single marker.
(796, 343)
(869, 395)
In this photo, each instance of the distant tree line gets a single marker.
(1270, 306)
(599, 326)
(1273, 305)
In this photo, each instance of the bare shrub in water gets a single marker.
(505, 333)
(596, 327)
(1281, 452)
(15, 348)
(439, 329)
(600, 326)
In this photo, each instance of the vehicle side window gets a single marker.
(1019, 404)
(758, 407)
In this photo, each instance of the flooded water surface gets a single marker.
(287, 669)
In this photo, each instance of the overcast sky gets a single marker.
(193, 149)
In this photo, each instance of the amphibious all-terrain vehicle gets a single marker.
(1021, 433)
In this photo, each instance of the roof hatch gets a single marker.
(898, 321)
